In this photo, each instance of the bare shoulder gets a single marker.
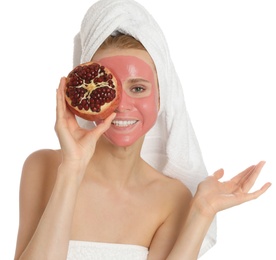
(171, 196)
(37, 181)
(174, 199)
(179, 196)
(39, 171)
(44, 156)
(172, 190)
(177, 187)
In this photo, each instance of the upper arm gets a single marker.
(36, 185)
(166, 235)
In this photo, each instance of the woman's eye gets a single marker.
(137, 89)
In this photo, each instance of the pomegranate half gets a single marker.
(92, 91)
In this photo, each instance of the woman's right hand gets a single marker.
(77, 144)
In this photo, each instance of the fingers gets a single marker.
(63, 115)
(218, 174)
(257, 193)
(61, 106)
(238, 178)
(248, 181)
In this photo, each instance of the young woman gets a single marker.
(99, 196)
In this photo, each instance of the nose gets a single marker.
(126, 102)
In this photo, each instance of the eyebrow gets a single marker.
(137, 80)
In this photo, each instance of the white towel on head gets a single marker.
(171, 145)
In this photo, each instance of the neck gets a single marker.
(117, 166)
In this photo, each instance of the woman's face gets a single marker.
(138, 109)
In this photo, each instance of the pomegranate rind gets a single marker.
(90, 86)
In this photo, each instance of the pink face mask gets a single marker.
(138, 109)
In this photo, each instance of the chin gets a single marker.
(123, 141)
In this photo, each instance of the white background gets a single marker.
(225, 54)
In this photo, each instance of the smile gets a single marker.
(123, 123)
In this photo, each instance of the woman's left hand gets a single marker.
(213, 196)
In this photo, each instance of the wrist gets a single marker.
(200, 206)
(70, 172)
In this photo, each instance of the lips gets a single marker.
(124, 123)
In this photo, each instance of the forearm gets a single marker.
(51, 238)
(192, 234)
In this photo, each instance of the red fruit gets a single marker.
(92, 91)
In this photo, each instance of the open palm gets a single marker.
(217, 196)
